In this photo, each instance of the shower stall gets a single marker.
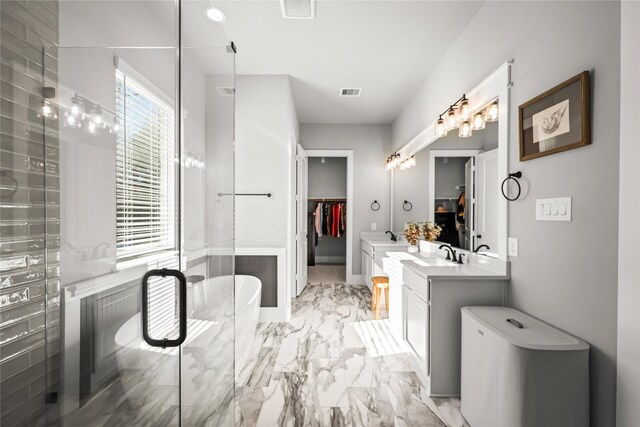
(118, 298)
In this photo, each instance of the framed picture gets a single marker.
(558, 120)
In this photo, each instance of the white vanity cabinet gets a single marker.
(372, 256)
(432, 323)
(368, 264)
(417, 326)
(393, 268)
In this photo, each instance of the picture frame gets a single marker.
(557, 120)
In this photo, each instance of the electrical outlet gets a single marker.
(513, 247)
(374, 226)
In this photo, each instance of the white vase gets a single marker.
(412, 249)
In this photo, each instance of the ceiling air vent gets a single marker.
(298, 9)
(350, 92)
(227, 91)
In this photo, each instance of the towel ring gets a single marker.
(375, 206)
(512, 177)
(404, 205)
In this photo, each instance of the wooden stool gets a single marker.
(379, 283)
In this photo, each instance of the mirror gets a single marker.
(454, 186)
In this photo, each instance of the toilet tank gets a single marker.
(519, 371)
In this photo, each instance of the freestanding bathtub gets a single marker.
(218, 342)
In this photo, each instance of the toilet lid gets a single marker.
(534, 334)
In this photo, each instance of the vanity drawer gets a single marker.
(416, 283)
(367, 248)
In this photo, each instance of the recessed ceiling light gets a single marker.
(216, 15)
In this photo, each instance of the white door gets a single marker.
(302, 231)
(487, 191)
(469, 203)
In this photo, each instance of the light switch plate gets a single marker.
(374, 226)
(558, 209)
(513, 247)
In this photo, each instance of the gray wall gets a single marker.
(411, 185)
(328, 179)
(628, 266)
(449, 175)
(25, 370)
(567, 272)
(370, 145)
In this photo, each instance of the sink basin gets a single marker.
(420, 260)
(434, 262)
(386, 241)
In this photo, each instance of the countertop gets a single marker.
(377, 241)
(431, 266)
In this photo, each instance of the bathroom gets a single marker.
(159, 166)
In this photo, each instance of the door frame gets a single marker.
(348, 154)
(302, 195)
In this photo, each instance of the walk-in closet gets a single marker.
(327, 218)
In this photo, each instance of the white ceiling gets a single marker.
(387, 48)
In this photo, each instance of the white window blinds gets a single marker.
(145, 183)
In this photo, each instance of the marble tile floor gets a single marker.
(334, 365)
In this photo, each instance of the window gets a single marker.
(145, 182)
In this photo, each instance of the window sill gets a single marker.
(152, 260)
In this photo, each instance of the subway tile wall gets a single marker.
(29, 215)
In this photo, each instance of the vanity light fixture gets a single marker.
(76, 105)
(48, 111)
(96, 115)
(452, 119)
(216, 15)
(393, 161)
(492, 112)
(477, 122)
(464, 112)
(441, 128)
(465, 129)
(408, 163)
(460, 116)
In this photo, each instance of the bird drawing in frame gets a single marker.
(552, 123)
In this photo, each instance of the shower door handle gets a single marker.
(165, 342)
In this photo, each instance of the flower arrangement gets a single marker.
(431, 231)
(412, 233)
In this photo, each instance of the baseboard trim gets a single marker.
(355, 279)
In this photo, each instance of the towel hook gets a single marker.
(407, 208)
(375, 206)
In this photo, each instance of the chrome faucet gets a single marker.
(451, 253)
(394, 237)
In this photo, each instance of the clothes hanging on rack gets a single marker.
(318, 219)
(330, 219)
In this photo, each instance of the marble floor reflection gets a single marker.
(334, 365)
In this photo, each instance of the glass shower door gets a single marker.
(209, 356)
(139, 229)
(113, 174)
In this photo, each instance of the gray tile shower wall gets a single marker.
(29, 226)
